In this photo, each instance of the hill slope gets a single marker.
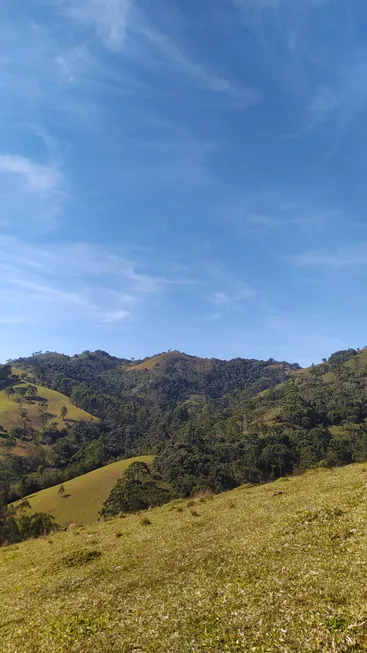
(175, 358)
(278, 568)
(86, 494)
(9, 409)
(211, 423)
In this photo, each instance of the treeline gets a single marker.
(15, 526)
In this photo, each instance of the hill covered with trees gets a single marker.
(210, 424)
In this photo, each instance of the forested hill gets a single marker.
(210, 423)
(170, 377)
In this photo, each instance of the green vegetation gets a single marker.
(210, 424)
(278, 568)
(136, 490)
(16, 526)
(82, 497)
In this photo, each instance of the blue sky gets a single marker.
(184, 174)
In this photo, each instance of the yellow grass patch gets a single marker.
(87, 494)
(9, 409)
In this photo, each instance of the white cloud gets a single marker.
(201, 75)
(37, 178)
(287, 220)
(346, 100)
(238, 294)
(115, 316)
(108, 18)
(75, 281)
(275, 4)
(227, 290)
(12, 320)
(31, 193)
(336, 259)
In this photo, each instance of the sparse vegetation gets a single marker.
(80, 558)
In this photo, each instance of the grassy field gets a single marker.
(87, 494)
(9, 409)
(279, 568)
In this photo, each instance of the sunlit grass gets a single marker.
(274, 569)
(9, 409)
(84, 494)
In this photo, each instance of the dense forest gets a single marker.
(211, 424)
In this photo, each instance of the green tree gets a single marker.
(24, 417)
(9, 391)
(31, 391)
(61, 492)
(10, 443)
(138, 471)
(42, 413)
(63, 413)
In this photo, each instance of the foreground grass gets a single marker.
(86, 494)
(280, 568)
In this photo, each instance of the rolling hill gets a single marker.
(175, 358)
(52, 400)
(9, 409)
(332, 384)
(278, 568)
(211, 423)
(84, 494)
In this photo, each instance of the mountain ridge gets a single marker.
(210, 424)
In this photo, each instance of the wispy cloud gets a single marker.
(31, 193)
(37, 178)
(108, 18)
(273, 4)
(226, 289)
(343, 100)
(336, 259)
(124, 27)
(303, 221)
(172, 56)
(74, 281)
(241, 292)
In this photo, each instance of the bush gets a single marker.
(145, 521)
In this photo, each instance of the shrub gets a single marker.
(145, 521)
(79, 558)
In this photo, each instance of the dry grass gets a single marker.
(86, 494)
(199, 364)
(9, 409)
(283, 572)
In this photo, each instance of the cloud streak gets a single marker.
(298, 221)
(337, 259)
(107, 18)
(74, 281)
(172, 56)
(31, 193)
(38, 178)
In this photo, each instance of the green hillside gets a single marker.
(86, 494)
(278, 568)
(212, 424)
(9, 409)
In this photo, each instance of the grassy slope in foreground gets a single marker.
(87, 494)
(279, 568)
(9, 409)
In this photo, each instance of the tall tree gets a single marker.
(63, 413)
